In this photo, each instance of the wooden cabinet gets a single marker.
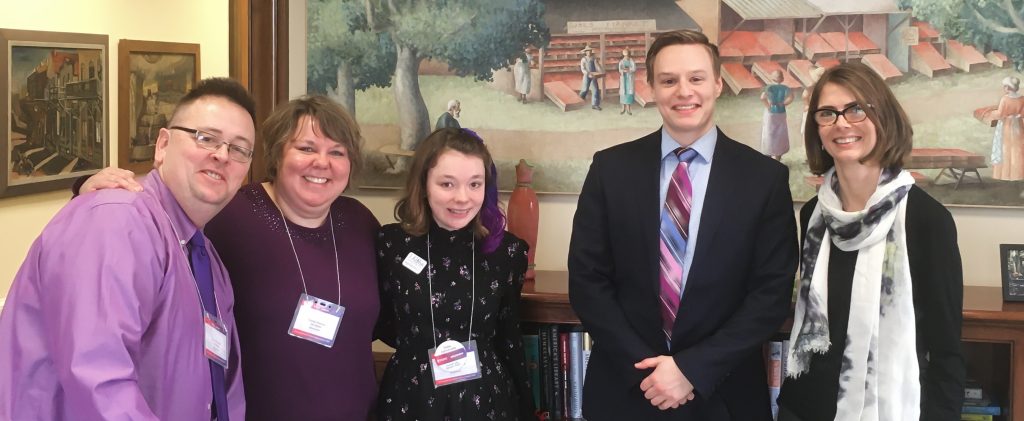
(987, 320)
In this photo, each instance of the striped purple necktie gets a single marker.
(675, 220)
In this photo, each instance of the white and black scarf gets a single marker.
(879, 379)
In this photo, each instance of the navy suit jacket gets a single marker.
(736, 297)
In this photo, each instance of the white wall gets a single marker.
(203, 22)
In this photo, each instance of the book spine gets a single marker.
(588, 345)
(774, 374)
(531, 345)
(556, 374)
(576, 375)
(545, 369)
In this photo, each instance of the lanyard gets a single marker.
(430, 290)
(181, 244)
(334, 241)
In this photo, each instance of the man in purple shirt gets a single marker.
(108, 316)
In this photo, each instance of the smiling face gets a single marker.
(455, 189)
(847, 143)
(685, 89)
(201, 180)
(313, 172)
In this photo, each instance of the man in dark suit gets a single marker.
(701, 358)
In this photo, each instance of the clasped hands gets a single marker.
(666, 387)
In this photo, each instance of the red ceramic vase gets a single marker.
(524, 212)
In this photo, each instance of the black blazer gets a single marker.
(737, 294)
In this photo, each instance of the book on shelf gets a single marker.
(774, 371)
(544, 349)
(576, 374)
(556, 410)
(976, 417)
(557, 378)
(531, 345)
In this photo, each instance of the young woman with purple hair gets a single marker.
(450, 279)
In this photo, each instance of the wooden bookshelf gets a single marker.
(987, 319)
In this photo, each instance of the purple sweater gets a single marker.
(288, 377)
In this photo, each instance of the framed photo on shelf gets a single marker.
(1011, 256)
(152, 77)
(53, 110)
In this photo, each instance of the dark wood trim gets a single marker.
(238, 41)
(259, 59)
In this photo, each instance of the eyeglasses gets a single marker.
(853, 114)
(212, 143)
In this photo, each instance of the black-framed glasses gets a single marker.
(853, 114)
(212, 143)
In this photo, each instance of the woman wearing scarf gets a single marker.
(876, 333)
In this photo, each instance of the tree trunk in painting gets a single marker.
(345, 94)
(413, 119)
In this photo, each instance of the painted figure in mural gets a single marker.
(521, 73)
(1008, 141)
(627, 82)
(592, 74)
(450, 279)
(448, 118)
(722, 256)
(273, 234)
(123, 309)
(876, 331)
(774, 130)
(805, 96)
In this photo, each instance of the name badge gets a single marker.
(414, 263)
(215, 341)
(454, 362)
(316, 320)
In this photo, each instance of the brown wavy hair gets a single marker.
(893, 132)
(331, 121)
(413, 211)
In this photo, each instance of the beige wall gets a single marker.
(203, 22)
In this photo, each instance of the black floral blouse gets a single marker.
(407, 391)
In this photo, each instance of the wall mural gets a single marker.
(553, 81)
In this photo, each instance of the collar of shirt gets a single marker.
(152, 184)
(704, 145)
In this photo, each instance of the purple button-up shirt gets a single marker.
(103, 320)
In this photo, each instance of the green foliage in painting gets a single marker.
(989, 24)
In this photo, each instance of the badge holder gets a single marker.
(316, 320)
(454, 362)
(215, 340)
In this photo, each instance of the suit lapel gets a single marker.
(649, 205)
(720, 187)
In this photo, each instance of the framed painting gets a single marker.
(553, 81)
(1012, 259)
(152, 77)
(54, 109)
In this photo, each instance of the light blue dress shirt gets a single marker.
(699, 171)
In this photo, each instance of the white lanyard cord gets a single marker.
(181, 244)
(472, 297)
(334, 241)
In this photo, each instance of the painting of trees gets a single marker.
(989, 24)
(362, 43)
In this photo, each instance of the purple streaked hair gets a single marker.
(491, 215)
